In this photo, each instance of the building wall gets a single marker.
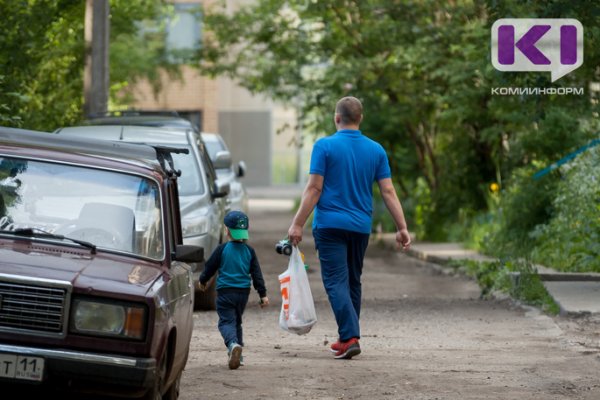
(193, 93)
(245, 122)
(248, 134)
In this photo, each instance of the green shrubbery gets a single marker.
(570, 240)
(524, 205)
(554, 220)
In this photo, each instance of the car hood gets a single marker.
(87, 272)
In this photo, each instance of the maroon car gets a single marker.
(96, 295)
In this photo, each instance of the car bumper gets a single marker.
(99, 372)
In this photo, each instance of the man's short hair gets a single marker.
(350, 110)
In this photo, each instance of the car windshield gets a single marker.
(110, 209)
(213, 147)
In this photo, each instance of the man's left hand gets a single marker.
(403, 239)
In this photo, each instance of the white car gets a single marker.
(220, 155)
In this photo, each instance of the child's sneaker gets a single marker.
(241, 361)
(348, 349)
(235, 353)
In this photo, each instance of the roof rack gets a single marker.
(165, 158)
(32, 138)
(152, 153)
(126, 113)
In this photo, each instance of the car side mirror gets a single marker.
(189, 253)
(241, 169)
(221, 188)
(222, 160)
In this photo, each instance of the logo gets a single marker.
(530, 44)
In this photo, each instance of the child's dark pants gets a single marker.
(231, 303)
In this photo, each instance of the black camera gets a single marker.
(284, 247)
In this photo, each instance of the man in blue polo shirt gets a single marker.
(343, 169)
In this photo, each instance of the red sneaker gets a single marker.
(348, 349)
(335, 347)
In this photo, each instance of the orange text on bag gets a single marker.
(285, 296)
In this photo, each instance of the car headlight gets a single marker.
(194, 225)
(92, 317)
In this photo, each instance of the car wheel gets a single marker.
(173, 392)
(154, 392)
(207, 299)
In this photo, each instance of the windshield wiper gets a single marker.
(40, 233)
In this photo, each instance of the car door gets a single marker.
(218, 202)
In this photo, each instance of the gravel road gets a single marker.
(425, 335)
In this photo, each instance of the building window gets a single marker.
(184, 31)
(195, 117)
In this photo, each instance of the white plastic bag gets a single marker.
(297, 307)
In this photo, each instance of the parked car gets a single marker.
(220, 155)
(202, 194)
(96, 293)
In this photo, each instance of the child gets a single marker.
(237, 265)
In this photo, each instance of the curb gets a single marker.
(577, 294)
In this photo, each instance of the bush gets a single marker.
(525, 204)
(570, 241)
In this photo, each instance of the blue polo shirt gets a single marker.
(350, 164)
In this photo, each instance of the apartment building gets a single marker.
(259, 131)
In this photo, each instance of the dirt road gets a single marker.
(425, 335)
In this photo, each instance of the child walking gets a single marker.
(238, 267)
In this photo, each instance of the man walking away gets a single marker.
(343, 168)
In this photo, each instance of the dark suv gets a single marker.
(96, 293)
(202, 195)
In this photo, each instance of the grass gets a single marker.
(515, 278)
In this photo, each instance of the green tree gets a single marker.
(424, 73)
(393, 55)
(42, 57)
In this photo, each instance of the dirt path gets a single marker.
(424, 336)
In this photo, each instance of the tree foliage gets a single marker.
(423, 71)
(570, 239)
(42, 53)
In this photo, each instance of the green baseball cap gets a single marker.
(237, 223)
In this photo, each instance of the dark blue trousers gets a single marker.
(230, 308)
(341, 254)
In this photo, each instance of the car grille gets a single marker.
(31, 307)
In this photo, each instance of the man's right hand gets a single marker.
(295, 234)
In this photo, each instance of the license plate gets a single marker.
(21, 367)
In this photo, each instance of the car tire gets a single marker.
(154, 392)
(172, 392)
(206, 300)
